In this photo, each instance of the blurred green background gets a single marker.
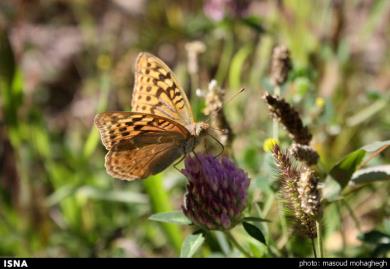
(61, 62)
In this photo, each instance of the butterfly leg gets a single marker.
(179, 161)
(206, 147)
(196, 156)
(219, 143)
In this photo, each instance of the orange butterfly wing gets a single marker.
(143, 156)
(117, 126)
(157, 131)
(156, 91)
(139, 144)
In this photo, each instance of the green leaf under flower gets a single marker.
(191, 244)
(342, 172)
(371, 174)
(375, 237)
(255, 232)
(176, 217)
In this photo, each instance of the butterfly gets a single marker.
(159, 129)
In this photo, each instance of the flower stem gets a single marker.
(353, 215)
(275, 127)
(237, 245)
(342, 227)
(227, 53)
(313, 245)
(319, 240)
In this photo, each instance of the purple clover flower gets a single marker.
(216, 192)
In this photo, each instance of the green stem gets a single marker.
(237, 245)
(319, 239)
(313, 245)
(283, 242)
(93, 137)
(275, 128)
(194, 82)
(224, 63)
(342, 230)
(160, 202)
(350, 211)
(277, 90)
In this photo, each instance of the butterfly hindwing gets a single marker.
(140, 157)
(156, 91)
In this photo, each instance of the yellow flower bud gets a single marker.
(269, 144)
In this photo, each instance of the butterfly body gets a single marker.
(159, 129)
(197, 130)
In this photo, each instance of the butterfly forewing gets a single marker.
(156, 91)
(115, 127)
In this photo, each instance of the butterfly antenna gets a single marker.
(231, 99)
(220, 144)
(235, 95)
(227, 101)
(217, 129)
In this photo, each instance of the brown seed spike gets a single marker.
(289, 117)
(281, 65)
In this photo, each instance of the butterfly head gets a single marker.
(197, 130)
(200, 128)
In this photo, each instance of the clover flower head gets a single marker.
(216, 192)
